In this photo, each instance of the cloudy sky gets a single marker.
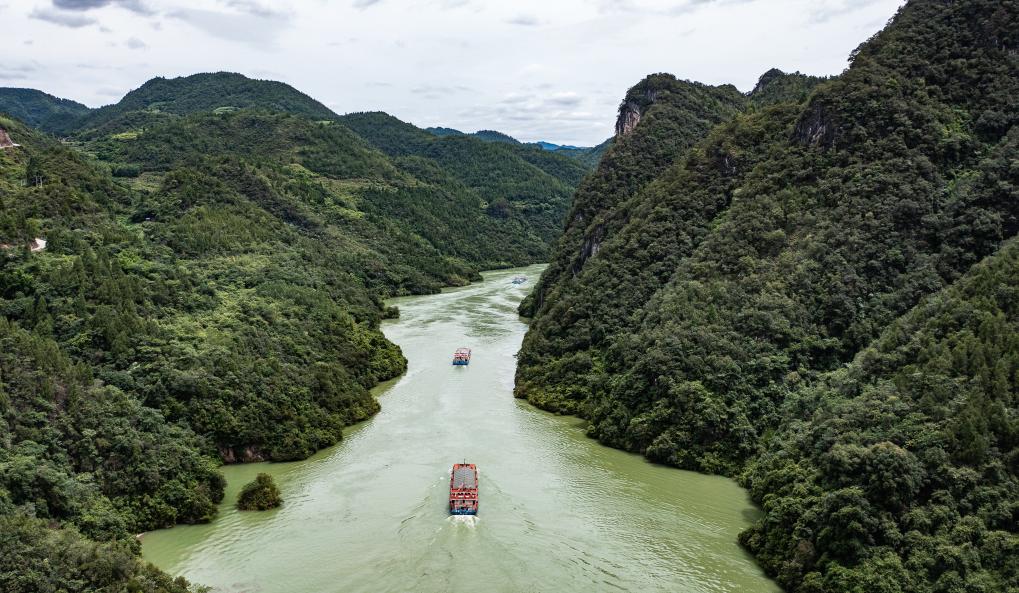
(536, 69)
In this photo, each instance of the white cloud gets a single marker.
(62, 18)
(531, 68)
(524, 20)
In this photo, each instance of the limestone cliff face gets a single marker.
(815, 127)
(241, 454)
(629, 117)
(633, 109)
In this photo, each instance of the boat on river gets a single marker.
(463, 489)
(462, 357)
(519, 279)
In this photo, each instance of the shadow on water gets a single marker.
(558, 512)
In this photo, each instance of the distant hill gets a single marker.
(493, 136)
(485, 135)
(587, 156)
(41, 110)
(516, 180)
(554, 147)
(207, 92)
(445, 131)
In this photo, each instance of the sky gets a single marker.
(552, 70)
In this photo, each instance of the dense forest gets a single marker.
(41, 110)
(196, 275)
(812, 289)
(522, 182)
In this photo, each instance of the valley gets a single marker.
(761, 339)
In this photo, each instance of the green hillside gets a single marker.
(41, 110)
(516, 181)
(219, 91)
(701, 294)
(903, 465)
(775, 86)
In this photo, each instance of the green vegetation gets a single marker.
(209, 92)
(518, 182)
(494, 136)
(260, 494)
(899, 472)
(682, 113)
(776, 87)
(39, 559)
(440, 131)
(791, 298)
(589, 157)
(41, 110)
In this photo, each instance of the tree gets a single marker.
(261, 494)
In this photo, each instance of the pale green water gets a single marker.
(558, 511)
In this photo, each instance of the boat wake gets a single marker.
(468, 521)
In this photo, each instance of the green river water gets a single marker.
(558, 511)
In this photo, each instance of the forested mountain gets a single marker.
(776, 86)
(486, 135)
(785, 287)
(41, 110)
(441, 131)
(516, 181)
(587, 157)
(899, 472)
(494, 136)
(219, 91)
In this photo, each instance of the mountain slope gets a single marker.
(209, 92)
(41, 110)
(516, 181)
(902, 473)
(676, 115)
(684, 316)
(775, 86)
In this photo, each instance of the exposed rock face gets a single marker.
(246, 454)
(5, 140)
(631, 111)
(815, 127)
(766, 79)
(629, 117)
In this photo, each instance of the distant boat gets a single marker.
(462, 357)
(463, 489)
(519, 279)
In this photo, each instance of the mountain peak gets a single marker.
(767, 78)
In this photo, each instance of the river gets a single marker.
(558, 511)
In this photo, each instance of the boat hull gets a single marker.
(463, 489)
(462, 357)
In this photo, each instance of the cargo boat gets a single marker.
(462, 356)
(463, 489)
